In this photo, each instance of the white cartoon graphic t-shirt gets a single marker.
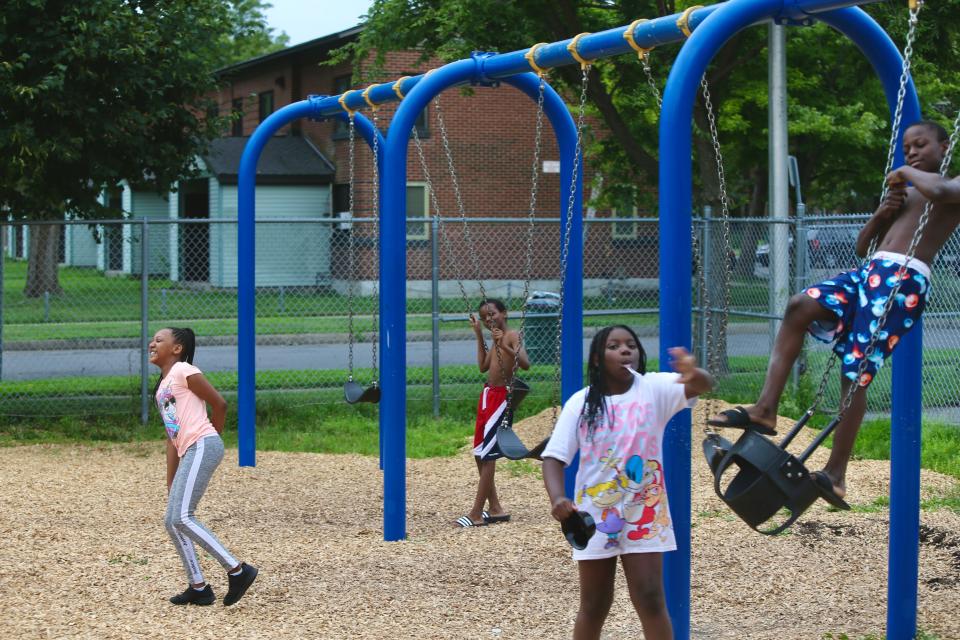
(620, 481)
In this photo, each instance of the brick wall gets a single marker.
(491, 132)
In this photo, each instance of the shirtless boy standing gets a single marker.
(498, 362)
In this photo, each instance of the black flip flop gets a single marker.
(823, 484)
(578, 528)
(738, 418)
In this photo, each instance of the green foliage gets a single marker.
(99, 91)
(839, 127)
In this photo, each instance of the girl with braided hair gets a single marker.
(617, 425)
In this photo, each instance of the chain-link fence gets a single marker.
(81, 348)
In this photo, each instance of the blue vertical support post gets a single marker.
(904, 546)
(675, 268)
(393, 265)
(246, 279)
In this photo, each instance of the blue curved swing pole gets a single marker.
(393, 267)
(711, 27)
(246, 263)
(675, 287)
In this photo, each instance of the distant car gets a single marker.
(831, 248)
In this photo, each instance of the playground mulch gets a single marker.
(86, 555)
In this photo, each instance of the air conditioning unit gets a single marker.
(344, 215)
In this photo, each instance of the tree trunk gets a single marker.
(752, 233)
(42, 261)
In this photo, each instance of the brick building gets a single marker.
(491, 135)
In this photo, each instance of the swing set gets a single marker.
(703, 31)
(766, 486)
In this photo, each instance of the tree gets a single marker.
(96, 92)
(838, 117)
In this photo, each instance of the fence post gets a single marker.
(435, 311)
(3, 259)
(144, 318)
(705, 300)
(799, 281)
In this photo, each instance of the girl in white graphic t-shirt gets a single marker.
(194, 450)
(617, 425)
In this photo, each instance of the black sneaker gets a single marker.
(201, 597)
(240, 583)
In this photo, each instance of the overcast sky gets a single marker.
(304, 20)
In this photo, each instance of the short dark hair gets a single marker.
(498, 303)
(935, 127)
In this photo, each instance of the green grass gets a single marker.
(318, 421)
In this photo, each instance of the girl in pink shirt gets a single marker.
(194, 450)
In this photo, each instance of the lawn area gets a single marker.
(313, 417)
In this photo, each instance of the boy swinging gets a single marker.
(847, 308)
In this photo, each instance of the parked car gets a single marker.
(830, 248)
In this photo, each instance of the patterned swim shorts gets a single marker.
(858, 298)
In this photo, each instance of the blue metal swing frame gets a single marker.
(709, 28)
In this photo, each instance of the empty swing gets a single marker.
(353, 391)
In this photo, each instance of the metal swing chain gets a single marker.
(374, 324)
(911, 250)
(456, 192)
(435, 204)
(468, 238)
(565, 252)
(351, 252)
(713, 354)
(913, 20)
(531, 227)
(898, 112)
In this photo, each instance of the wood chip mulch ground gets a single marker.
(86, 554)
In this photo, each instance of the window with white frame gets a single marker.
(626, 230)
(418, 205)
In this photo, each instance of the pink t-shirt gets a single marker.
(184, 414)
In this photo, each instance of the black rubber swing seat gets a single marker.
(353, 392)
(507, 439)
(578, 528)
(770, 487)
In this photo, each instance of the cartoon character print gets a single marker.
(608, 497)
(648, 511)
(167, 404)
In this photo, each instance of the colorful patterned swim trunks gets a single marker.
(858, 298)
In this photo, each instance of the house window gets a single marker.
(265, 100)
(418, 205)
(236, 128)
(624, 230)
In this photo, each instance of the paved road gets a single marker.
(30, 365)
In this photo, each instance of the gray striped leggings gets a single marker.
(189, 484)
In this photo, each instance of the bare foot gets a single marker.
(833, 491)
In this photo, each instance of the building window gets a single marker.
(418, 205)
(626, 230)
(265, 101)
(236, 128)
